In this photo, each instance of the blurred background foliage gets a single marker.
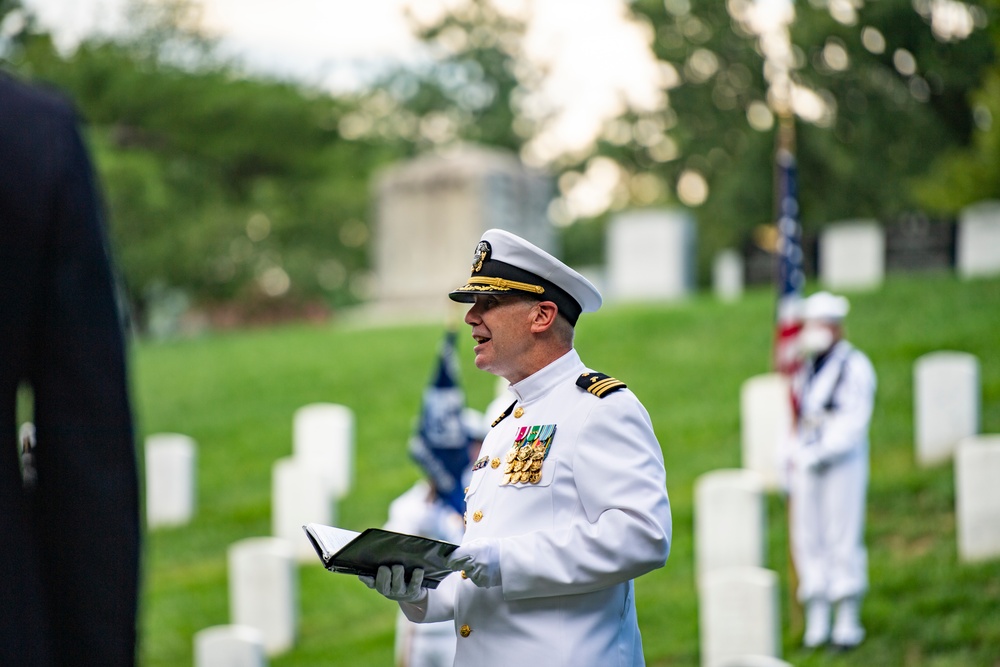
(248, 197)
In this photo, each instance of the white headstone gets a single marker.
(651, 255)
(229, 646)
(945, 403)
(432, 210)
(765, 420)
(263, 590)
(323, 439)
(170, 479)
(727, 275)
(852, 255)
(977, 251)
(977, 497)
(738, 615)
(730, 521)
(299, 495)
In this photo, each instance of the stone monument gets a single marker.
(727, 275)
(651, 255)
(852, 255)
(945, 403)
(977, 252)
(229, 646)
(431, 211)
(263, 590)
(299, 495)
(977, 497)
(765, 421)
(323, 439)
(738, 614)
(170, 479)
(730, 521)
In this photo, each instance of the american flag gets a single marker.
(790, 276)
(441, 444)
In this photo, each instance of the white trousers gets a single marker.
(827, 529)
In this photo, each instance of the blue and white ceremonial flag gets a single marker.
(791, 277)
(441, 444)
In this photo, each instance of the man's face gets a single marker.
(501, 327)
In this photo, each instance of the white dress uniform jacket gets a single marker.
(570, 544)
(829, 475)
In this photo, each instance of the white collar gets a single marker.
(543, 381)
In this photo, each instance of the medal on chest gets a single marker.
(526, 455)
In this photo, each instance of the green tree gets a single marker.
(894, 91)
(898, 108)
(464, 90)
(970, 173)
(225, 187)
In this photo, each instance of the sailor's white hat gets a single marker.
(825, 306)
(504, 263)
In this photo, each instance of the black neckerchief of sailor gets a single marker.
(831, 401)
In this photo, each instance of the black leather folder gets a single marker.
(362, 553)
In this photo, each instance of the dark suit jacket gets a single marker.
(69, 549)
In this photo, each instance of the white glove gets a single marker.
(480, 560)
(813, 459)
(392, 583)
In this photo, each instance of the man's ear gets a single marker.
(543, 316)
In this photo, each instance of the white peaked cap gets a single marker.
(504, 263)
(825, 306)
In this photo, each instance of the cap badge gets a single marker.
(483, 251)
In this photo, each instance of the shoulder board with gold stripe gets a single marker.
(599, 384)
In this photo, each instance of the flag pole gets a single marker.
(789, 275)
(785, 187)
(776, 46)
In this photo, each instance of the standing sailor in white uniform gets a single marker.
(567, 504)
(827, 460)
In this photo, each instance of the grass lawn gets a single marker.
(235, 394)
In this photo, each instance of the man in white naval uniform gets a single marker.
(827, 461)
(567, 504)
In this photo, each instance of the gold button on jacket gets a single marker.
(478, 516)
(465, 631)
